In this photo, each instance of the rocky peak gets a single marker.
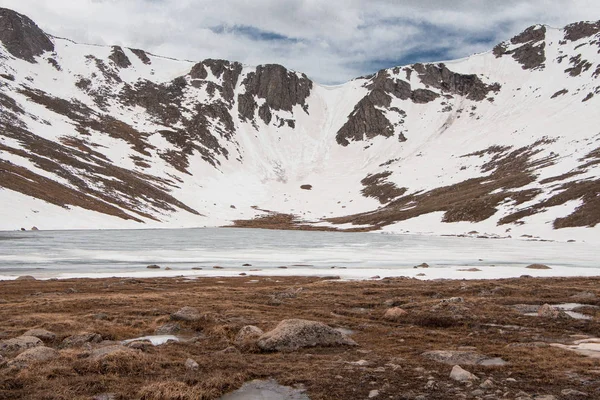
(281, 89)
(580, 30)
(22, 37)
(532, 34)
(440, 77)
(527, 48)
(228, 72)
(119, 57)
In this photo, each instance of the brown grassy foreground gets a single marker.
(126, 308)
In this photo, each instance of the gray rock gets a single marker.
(42, 334)
(103, 352)
(394, 314)
(19, 344)
(248, 334)
(168, 329)
(573, 393)
(537, 266)
(26, 278)
(189, 314)
(461, 375)
(487, 384)
(266, 390)
(292, 334)
(191, 365)
(373, 394)
(40, 353)
(81, 339)
(547, 311)
(453, 357)
(105, 396)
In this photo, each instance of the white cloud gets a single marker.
(331, 41)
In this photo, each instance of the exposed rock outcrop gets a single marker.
(526, 48)
(440, 77)
(119, 57)
(280, 88)
(22, 37)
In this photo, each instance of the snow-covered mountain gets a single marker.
(505, 142)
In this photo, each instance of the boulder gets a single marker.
(153, 266)
(191, 365)
(42, 334)
(461, 375)
(81, 339)
(547, 311)
(19, 344)
(394, 314)
(424, 265)
(247, 334)
(189, 314)
(293, 334)
(40, 353)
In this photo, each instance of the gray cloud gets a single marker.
(331, 41)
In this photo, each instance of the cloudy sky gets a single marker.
(332, 41)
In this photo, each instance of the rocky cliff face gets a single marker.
(21, 37)
(501, 140)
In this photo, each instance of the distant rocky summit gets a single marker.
(505, 141)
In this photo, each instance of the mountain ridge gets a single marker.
(117, 137)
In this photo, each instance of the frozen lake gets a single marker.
(106, 253)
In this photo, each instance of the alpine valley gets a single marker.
(503, 143)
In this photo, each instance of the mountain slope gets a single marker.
(505, 142)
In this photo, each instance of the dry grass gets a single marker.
(125, 308)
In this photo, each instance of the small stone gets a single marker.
(247, 334)
(168, 329)
(229, 350)
(573, 393)
(461, 375)
(487, 384)
(191, 365)
(246, 265)
(394, 314)
(373, 394)
(511, 380)
(477, 392)
(196, 269)
(105, 396)
(81, 339)
(153, 266)
(189, 314)
(167, 268)
(424, 265)
(545, 397)
(42, 334)
(103, 352)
